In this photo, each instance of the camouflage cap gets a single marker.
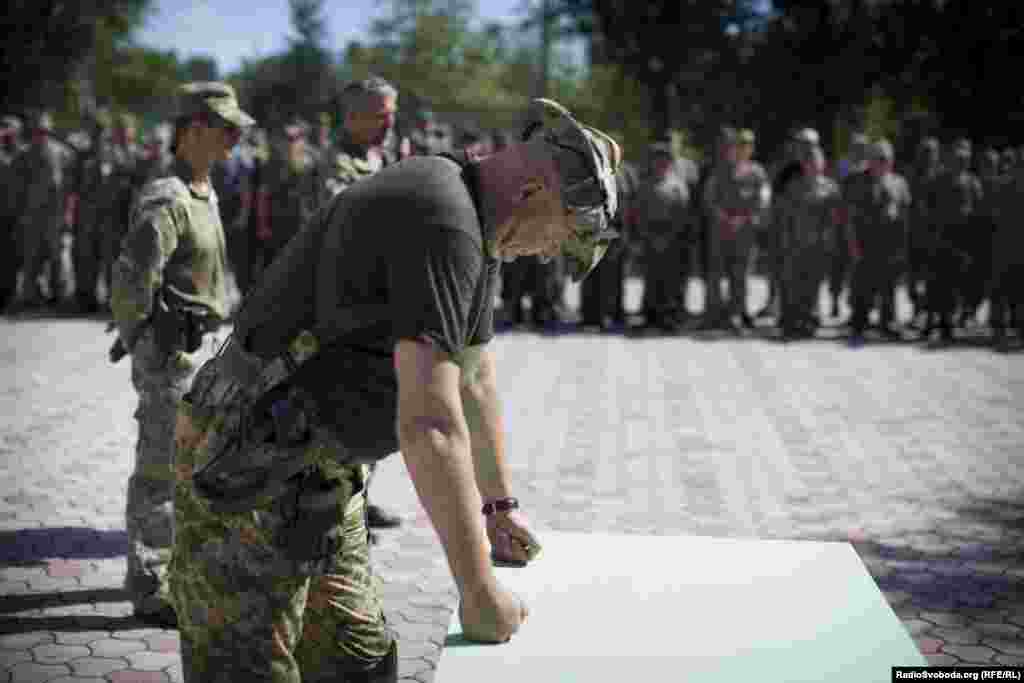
(206, 97)
(929, 143)
(127, 120)
(587, 160)
(746, 137)
(325, 119)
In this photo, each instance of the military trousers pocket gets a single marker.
(312, 516)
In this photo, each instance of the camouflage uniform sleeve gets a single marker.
(339, 173)
(138, 272)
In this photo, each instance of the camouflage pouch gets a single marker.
(312, 512)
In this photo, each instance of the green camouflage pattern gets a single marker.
(247, 610)
(176, 241)
(160, 380)
(346, 165)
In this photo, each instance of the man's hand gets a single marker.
(491, 614)
(511, 540)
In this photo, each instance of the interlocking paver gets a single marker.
(972, 654)
(31, 672)
(110, 647)
(58, 654)
(152, 661)
(129, 676)
(8, 658)
(913, 456)
(97, 666)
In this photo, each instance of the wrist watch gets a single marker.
(500, 505)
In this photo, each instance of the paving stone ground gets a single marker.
(916, 457)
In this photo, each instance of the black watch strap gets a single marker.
(500, 505)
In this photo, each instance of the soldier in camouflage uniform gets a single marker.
(737, 196)
(129, 174)
(10, 191)
(289, 193)
(370, 107)
(853, 172)
(879, 215)
(47, 182)
(927, 168)
(956, 197)
(665, 226)
(169, 288)
(807, 222)
(94, 175)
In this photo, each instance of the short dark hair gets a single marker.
(358, 95)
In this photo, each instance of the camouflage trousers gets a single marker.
(160, 379)
(246, 610)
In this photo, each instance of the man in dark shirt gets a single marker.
(382, 308)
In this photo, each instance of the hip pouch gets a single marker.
(267, 452)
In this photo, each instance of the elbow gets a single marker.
(431, 434)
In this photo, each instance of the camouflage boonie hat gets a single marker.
(962, 148)
(587, 160)
(746, 137)
(212, 97)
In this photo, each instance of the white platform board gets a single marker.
(674, 608)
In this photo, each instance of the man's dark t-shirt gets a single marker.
(403, 250)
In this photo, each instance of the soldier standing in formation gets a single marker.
(602, 294)
(979, 245)
(47, 183)
(94, 175)
(169, 289)
(10, 239)
(665, 225)
(737, 197)
(879, 214)
(127, 179)
(926, 169)
(807, 221)
(853, 171)
(956, 197)
(1006, 284)
(289, 194)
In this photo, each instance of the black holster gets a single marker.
(175, 329)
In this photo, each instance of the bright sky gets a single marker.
(231, 30)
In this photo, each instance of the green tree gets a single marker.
(49, 46)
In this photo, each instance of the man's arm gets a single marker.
(482, 408)
(435, 441)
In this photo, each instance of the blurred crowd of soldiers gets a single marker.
(943, 226)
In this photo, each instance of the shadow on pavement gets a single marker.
(968, 578)
(78, 622)
(33, 546)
